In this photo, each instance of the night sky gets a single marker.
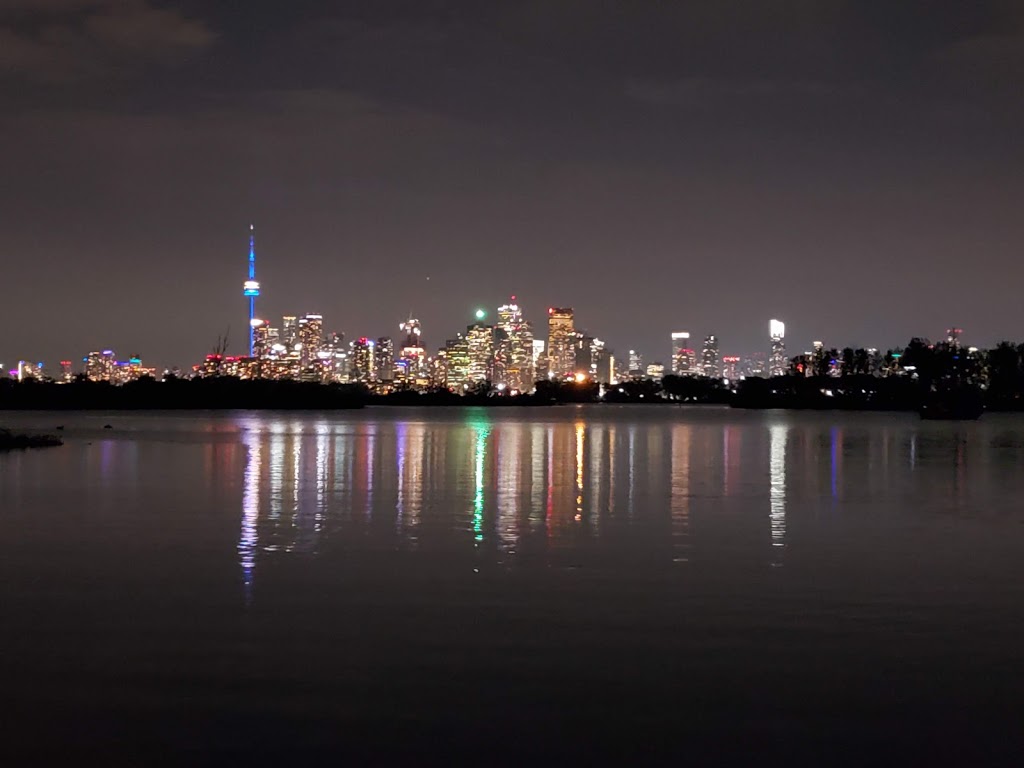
(853, 168)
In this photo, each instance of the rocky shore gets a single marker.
(15, 440)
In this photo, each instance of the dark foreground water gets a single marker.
(564, 586)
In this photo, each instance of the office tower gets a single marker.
(636, 364)
(259, 343)
(584, 355)
(777, 362)
(66, 374)
(520, 363)
(361, 357)
(709, 358)
(680, 353)
(540, 360)
(384, 359)
(598, 360)
(480, 348)
(730, 367)
(412, 357)
(561, 343)
(501, 359)
(656, 371)
(457, 362)
(310, 335)
(99, 366)
(613, 370)
(251, 289)
(289, 331)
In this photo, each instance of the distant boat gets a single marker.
(953, 402)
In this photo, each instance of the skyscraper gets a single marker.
(480, 348)
(730, 367)
(259, 338)
(519, 366)
(777, 360)
(709, 357)
(96, 366)
(599, 361)
(540, 360)
(457, 362)
(310, 335)
(561, 342)
(412, 357)
(584, 355)
(636, 365)
(251, 289)
(384, 359)
(681, 365)
(289, 331)
(362, 361)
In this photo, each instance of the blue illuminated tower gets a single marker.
(251, 288)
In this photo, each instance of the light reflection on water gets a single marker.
(562, 487)
(576, 478)
(777, 494)
(278, 565)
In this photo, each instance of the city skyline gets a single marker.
(259, 324)
(814, 162)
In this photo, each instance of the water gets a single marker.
(629, 584)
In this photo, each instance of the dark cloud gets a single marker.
(73, 40)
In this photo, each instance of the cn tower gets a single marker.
(251, 288)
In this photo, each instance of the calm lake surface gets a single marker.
(624, 584)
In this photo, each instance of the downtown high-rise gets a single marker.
(682, 354)
(515, 348)
(561, 343)
(709, 358)
(777, 359)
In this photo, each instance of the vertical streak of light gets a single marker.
(296, 476)
(276, 473)
(371, 439)
(611, 468)
(400, 446)
(580, 438)
(480, 452)
(509, 482)
(777, 492)
(322, 445)
(598, 435)
(248, 539)
(680, 492)
(550, 506)
(536, 472)
(417, 455)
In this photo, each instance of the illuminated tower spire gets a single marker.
(251, 288)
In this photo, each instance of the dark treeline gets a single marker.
(219, 393)
(901, 379)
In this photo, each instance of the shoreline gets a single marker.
(18, 441)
